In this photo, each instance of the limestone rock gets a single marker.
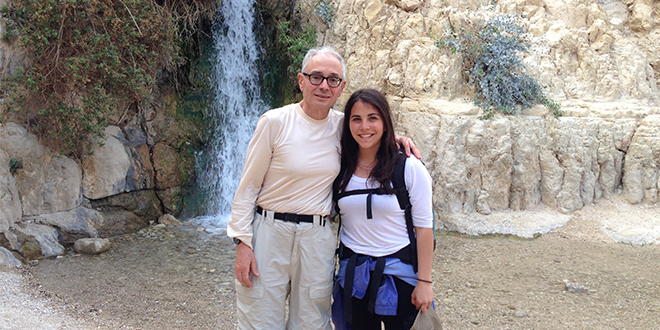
(141, 173)
(581, 50)
(640, 183)
(10, 241)
(10, 205)
(519, 163)
(19, 143)
(523, 224)
(168, 219)
(106, 169)
(166, 164)
(145, 177)
(143, 203)
(74, 224)
(49, 184)
(407, 5)
(119, 222)
(37, 241)
(91, 245)
(7, 258)
(171, 199)
(641, 18)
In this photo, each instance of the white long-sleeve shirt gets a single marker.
(291, 163)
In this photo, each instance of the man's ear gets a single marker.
(343, 84)
(301, 79)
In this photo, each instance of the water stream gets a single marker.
(237, 107)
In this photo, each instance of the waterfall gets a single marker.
(237, 107)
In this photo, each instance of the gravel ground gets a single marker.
(576, 277)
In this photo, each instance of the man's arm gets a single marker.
(257, 161)
(408, 146)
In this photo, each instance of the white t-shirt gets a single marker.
(386, 232)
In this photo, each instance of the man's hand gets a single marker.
(244, 264)
(408, 146)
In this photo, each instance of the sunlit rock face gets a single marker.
(599, 59)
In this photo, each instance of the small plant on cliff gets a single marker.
(492, 66)
(15, 164)
(85, 58)
(325, 11)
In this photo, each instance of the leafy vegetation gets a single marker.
(15, 164)
(492, 65)
(325, 11)
(296, 44)
(91, 61)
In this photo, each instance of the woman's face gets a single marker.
(366, 126)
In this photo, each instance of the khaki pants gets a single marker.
(294, 261)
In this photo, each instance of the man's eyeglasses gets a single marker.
(317, 79)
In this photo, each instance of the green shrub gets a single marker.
(492, 65)
(296, 43)
(86, 57)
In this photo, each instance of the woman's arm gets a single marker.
(422, 296)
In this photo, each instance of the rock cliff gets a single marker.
(517, 174)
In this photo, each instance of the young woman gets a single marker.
(381, 278)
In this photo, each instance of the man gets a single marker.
(279, 218)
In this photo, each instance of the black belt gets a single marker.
(292, 217)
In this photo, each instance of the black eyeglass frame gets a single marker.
(309, 76)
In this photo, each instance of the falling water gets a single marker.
(237, 107)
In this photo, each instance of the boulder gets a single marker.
(16, 141)
(91, 245)
(143, 203)
(10, 205)
(172, 199)
(37, 241)
(168, 219)
(8, 259)
(106, 168)
(166, 165)
(144, 176)
(119, 222)
(49, 184)
(78, 223)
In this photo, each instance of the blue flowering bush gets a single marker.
(492, 65)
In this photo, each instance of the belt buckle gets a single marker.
(292, 218)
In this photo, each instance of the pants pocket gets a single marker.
(319, 292)
(249, 292)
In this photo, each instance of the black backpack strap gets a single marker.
(399, 181)
(348, 288)
(368, 192)
(374, 284)
(399, 185)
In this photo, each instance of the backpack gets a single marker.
(402, 196)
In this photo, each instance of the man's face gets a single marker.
(321, 97)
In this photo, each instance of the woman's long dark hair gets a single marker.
(387, 152)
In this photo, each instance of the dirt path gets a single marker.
(181, 278)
